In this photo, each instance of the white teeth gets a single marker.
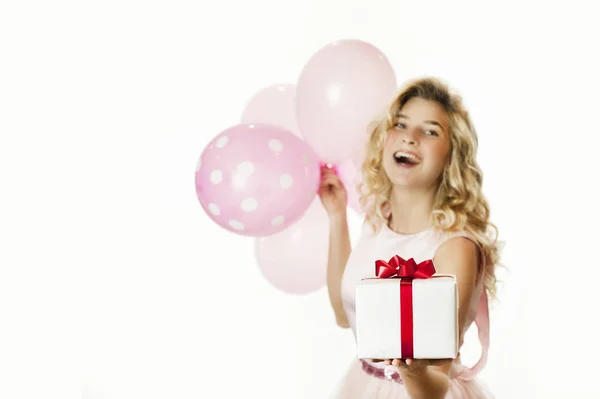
(399, 154)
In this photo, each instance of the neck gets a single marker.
(411, 210)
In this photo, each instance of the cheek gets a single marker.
(439, 154)
(390, 141)
(444, 156)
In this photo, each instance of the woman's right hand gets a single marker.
(332, 192)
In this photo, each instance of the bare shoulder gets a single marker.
(458, 255)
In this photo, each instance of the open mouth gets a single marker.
(405, 158)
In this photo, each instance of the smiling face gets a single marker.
(417, 145)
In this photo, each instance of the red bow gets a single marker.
(400, 268)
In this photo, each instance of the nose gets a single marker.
(409, 137)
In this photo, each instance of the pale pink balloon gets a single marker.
(350, 176)
(295, 260)
(256, 180)
(273, 105)
(341, 89)
(359, 156)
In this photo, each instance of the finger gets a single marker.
(330, 178)
(388, 361)
(439, 362)
(332, 181)
(328, 173)
(325, 169)
(328, 189)
(414, 363)
(397, 362)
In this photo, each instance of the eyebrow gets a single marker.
(429, 122)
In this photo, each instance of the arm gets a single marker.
(459, 256)
(339, 251)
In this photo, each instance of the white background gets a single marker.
(109, 285)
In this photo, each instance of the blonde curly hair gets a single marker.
(459, 204)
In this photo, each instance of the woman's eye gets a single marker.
(427, 132)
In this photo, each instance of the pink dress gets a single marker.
(365, 379)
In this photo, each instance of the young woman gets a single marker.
(422, 194)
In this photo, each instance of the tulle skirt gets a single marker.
(362, 382)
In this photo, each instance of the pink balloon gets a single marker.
(350, 176)
(295, 260)
(273, 105)
(342, 88)
(256, 180)
(359, 156)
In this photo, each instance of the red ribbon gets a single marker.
(406, 271)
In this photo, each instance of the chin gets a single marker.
(399, 177)
(402, 182)
(409, 178)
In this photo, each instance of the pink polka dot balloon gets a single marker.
(256, 179)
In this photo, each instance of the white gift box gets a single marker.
(434, 317)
